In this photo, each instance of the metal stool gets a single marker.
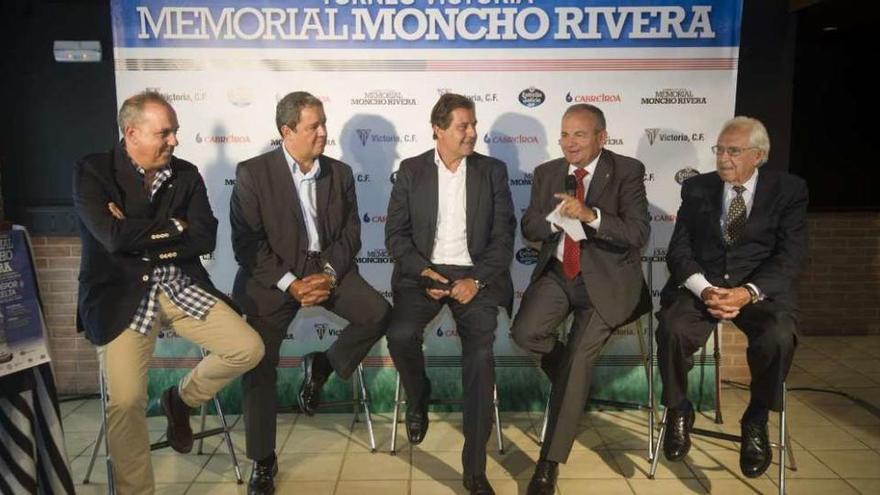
(359, 398)
(782, 444)
(200, 436)
(399, 400)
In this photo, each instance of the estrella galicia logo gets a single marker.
(531, 97)
(527, 256)
(324, 330)
(363, 135)
(685, 174)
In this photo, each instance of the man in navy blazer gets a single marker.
(450, 229)
(144, 221)
(738, 244)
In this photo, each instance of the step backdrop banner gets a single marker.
(663, 71)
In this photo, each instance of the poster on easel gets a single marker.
(22, 328)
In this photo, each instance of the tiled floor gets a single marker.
(836, 443)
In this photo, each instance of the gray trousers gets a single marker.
(545, 305)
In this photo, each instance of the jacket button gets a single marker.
(145, 278)
(726, 276)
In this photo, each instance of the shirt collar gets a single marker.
(294, 166)
(442, 166)
(590, 168)
(165, 170)
(749, 185)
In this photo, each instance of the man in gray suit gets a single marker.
(450, 228)
(598, 280)
(295, 233)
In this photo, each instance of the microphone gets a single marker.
(571, 185)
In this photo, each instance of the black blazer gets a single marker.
(610, 257)
(768, 253)
(118, 256)
(412, 223)
(269, 234)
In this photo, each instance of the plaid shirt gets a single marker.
(180, 289)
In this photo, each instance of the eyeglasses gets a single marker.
(733, 151)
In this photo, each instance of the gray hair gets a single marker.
(594, 111)
(758, 136)
(133, 108)
(289, 108)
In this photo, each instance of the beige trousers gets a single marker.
(234, 348)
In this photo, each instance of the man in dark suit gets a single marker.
(295, 233)
(450, 229)
(598, 280)
(144, 221)
(738, 243)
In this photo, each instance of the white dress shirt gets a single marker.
(697, 282)
(590, 168)
(450, 239)
(307, 191)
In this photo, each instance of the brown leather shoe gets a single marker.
(179, 433)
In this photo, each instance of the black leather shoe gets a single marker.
(262, 480)
(315, 374)
(478, 485)
(179, 433)
(544, 480)
(417, 416)
(677, 439)
(755, 453)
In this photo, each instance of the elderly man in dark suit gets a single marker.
(295, 233)
(450, 229)
(738, 243)
(598, 280)
(144, 221)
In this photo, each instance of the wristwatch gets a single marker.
(480, 285)
(752, 292)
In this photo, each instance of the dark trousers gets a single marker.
(685, 325)
(545, 305)
(355, 300)
(475, 323)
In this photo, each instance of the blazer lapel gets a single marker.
(430, 183)
(601, 177)
(473, 188)
(715, 206)
(761, 201)
(134, 201)
(282, 177)
(322, 196)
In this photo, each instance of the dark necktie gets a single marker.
(571, 254)
(736, 216)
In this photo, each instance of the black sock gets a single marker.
(755, 413)
(268, 461)
(684, 405)
(322, 365)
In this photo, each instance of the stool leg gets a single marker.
(94, 454)
(648, 363)
(204, 415)
(716, 355)
(228, 440)
(365, 400)
(111, 484)
(497, 420)
(546, 417)
(782, 445)
(656, 457)
(395, 416)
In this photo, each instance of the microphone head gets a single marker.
(571, 185)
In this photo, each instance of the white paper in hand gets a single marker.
(571, 226)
